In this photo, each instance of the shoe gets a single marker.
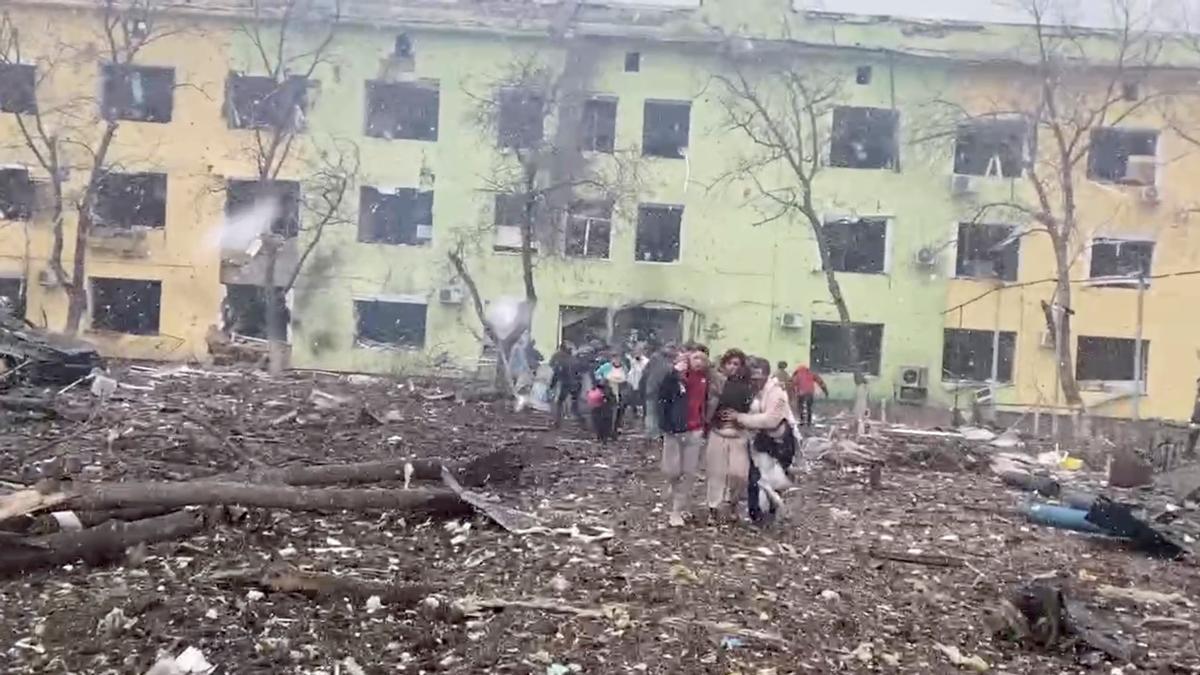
(675, 520)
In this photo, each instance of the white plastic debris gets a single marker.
(67, 521)
(374, 604)
(254, 595)
(191, 660)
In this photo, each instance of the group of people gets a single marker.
(738, 415)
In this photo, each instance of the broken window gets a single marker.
(126, 305)
(863, 75)
(648, 324)
(864, 138)
(633, 62)
(403, 216)
(522, 118)
(509, 217)
(1120, 259)
(244, 310)
(589, 230)
(242, 195)
(138, 93)
(18, 84)
(16, 194)
(987, 251)
(580, 325)
(125, 200)
(856, 244)
(399, 324)
(599, 127)
(1106, 359)
(994, 147)
(828, 353)
(967, 355)
(665, 127)
(12, 297)
(658, 231)
(261, 102)
(1126, 156)
(407, 110)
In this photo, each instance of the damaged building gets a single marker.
(945, 302)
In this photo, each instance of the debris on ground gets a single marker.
(273, 524)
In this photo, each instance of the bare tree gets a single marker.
(1074, 85)
(76, 134)
(547, 167)
(774, 98)
(290, 43)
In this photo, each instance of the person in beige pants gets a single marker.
(681, 398)
(727, 458)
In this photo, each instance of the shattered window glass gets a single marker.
(967, 355)
(126, 200)
(658, 232)
(401, 216)
(404, 110)
(864, 138)
(397, 324)
(138, 93)
(665, 128)
(828, 351)
(126, 305)
(259, 102)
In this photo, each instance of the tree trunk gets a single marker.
(97, 545)
(499, 466)
(1063, 333)
(77, 288)
(96, 496)
(277, 347)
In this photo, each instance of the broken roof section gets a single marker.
(1160, 15)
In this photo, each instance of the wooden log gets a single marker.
(284, 578)
(97, 545)
(100, 496)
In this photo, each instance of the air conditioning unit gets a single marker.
(912, 394)
(424, 232)
(508, 236)
(1149, 195)
(914, 376)
(791, 320)
(450, 295)
(962, 185)
(1046, 340)
(1141, 169)
(926, 257)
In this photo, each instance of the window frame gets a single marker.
(839, 159)
(841, 220)
(653, 148)
(1002, 377)
(418, 200)
(94, 305)
(874, 366)
(376, 89)
(99, 220)
(1118, 280)
(679, 233)
(1027, 147)
(370, 343)
(109, 111)
(960, 259)
(1093, 382)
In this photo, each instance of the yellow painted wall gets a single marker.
(1105, 211)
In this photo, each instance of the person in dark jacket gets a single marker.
(567, 374)
(660, 365)
(681, 400)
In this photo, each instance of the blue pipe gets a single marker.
(1061, 517)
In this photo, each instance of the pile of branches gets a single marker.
(57, 522)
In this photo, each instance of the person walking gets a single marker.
(660, 364)
(727, 457)
(611, 379)
(681, 398)
(566, 374)
(804, 388)
(773, 445)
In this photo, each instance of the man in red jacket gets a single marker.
(804, 389)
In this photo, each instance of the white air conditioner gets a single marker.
(508, 236)
(912, 394)
(791, 320)
(450, 295)
(926, 257)
(914, 376)
(1149, 195)
(1141, 169)
(962, 185)
(424, 232)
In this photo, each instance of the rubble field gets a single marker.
(902, 576)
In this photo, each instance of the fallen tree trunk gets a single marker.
(499, 466)
(100, 496)
(287, 579)
(97, 545)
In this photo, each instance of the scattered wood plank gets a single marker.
(284, 578)
(917, 558)
(99, 496)
(97, 545)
